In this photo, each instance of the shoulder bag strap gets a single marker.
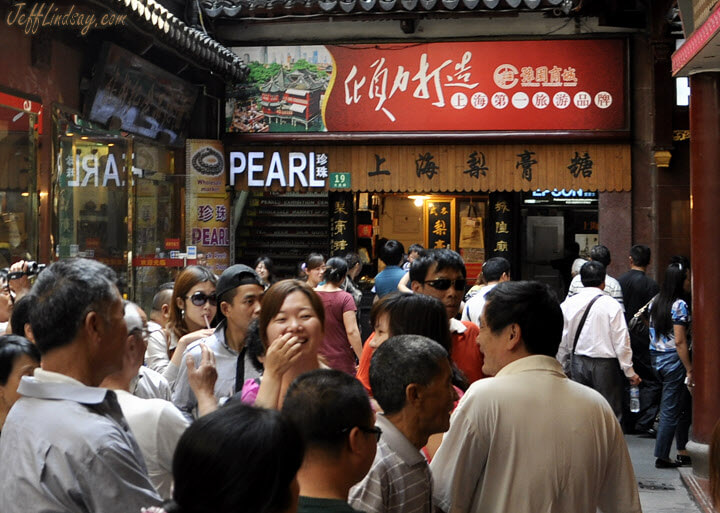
(582, 322)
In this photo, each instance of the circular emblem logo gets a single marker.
(208, 161)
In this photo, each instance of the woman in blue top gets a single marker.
(670, 355)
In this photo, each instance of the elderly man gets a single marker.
(596, 340)
(333, 413)
(239, 293)
(410, 376)
(440, 273)
(66, 445)
(529, 439)
(156, 423)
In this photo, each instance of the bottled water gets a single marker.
(634, 399)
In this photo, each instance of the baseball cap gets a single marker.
(234, 276)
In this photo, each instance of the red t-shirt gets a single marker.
(335, 347)
(466, 352)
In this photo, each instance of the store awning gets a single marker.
(436, 168)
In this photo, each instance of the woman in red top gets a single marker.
(341, 344)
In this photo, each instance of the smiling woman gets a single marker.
(291, 329)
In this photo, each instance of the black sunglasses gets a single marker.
(371, 430)
(444, 284)
(200, 298)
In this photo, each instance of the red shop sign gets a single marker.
(478, 86)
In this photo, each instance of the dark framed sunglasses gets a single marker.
(371, 431)
(200, 298)
(444, 284)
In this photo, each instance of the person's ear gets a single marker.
(514, 336)
(412, 393)
(355, 441)
(416, 286)
(224, 308)
(180, 302)
(165, 309)
(92, 325)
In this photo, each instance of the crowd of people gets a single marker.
(248, 392)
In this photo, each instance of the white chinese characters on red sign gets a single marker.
(431, 85)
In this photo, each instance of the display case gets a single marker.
(285, 227)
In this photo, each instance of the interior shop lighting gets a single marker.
(418, 200)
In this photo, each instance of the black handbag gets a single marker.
(639, 325)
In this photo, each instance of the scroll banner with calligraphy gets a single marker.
(439, 223)
(577, 84)
(342, 224)
(435, 168)
(501, 226)
(207, 204)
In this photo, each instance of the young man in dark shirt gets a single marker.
(638, 289)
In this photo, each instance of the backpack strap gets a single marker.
(582, 322)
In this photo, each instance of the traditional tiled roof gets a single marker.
(166, 27)
(271, 8)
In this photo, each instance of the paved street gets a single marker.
(661, 490)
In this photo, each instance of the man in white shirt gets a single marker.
(603, 341)
(529, 439)
(495, 270)
(156, 423)
(612, 288)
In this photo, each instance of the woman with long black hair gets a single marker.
(670, 355)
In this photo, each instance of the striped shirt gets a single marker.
(399, 480)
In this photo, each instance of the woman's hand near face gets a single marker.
(281, 354)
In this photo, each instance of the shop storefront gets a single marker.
(481, 200)
(118, 198)
(438, 146)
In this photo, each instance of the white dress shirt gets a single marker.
(604, 334)
(157, 425)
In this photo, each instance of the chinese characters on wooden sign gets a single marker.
(440, 223)
(342, 229)
(501, 219)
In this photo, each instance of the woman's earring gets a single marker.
(182, 313)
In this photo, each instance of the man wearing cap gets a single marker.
(239, 292)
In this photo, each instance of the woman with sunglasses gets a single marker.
(192, 309)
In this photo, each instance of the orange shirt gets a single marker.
(363, 371)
